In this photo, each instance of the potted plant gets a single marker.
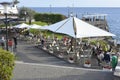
(87, 63)
(107, 67)
(60, 55)
(71, 59)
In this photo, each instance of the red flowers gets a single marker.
(107, 67)
(87, 62)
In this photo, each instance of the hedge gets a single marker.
(7, 63)
(49, 18)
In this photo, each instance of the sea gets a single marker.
(113, 15)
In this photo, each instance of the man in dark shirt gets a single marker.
(15, 41)
(106, 57)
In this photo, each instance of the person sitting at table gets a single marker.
(42, 42)
(106, 57)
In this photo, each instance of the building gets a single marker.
(98, 20)
(12, 10)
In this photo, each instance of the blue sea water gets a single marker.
(113, 14)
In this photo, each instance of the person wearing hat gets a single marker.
(114, 61)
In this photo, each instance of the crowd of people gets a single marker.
(11, 42)
(104, 57)
(107, 57)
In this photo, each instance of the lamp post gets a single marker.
(5, 6)
(25, 13)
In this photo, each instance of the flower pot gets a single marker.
(87, 65)
(71, 60)
(107, 68)
(51, 51)
(60, 55)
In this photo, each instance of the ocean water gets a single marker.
(113, 15)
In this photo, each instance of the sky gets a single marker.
(67, 3)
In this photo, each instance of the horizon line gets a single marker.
(70, 7)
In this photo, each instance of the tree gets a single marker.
(26, 13)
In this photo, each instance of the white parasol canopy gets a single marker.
(77, 28)
(23, 25)
(35, 26)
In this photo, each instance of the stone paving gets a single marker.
(30, 54)
(24, 71)
(35, 64)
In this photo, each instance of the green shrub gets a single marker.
(7, 62)
(102, 43)
(50, 33)
(39, 23)
(35, 31)
(93, 42)
(49, 18)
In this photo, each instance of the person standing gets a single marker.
(10, 45)
(2, 45)
(114, 61)
(15, 41)
(3, 42)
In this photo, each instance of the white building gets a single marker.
(12, 9)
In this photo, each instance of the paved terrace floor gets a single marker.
(35, 64)
(28, 53)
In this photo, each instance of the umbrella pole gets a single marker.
(76, 56)
(76, 53)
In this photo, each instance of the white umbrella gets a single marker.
(23, 25)
(53, 27)
(77, 28)
(35, 26)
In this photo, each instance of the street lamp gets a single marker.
(5, 5)
(28, 16)
(25, 13)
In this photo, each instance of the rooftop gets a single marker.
(94, 15)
